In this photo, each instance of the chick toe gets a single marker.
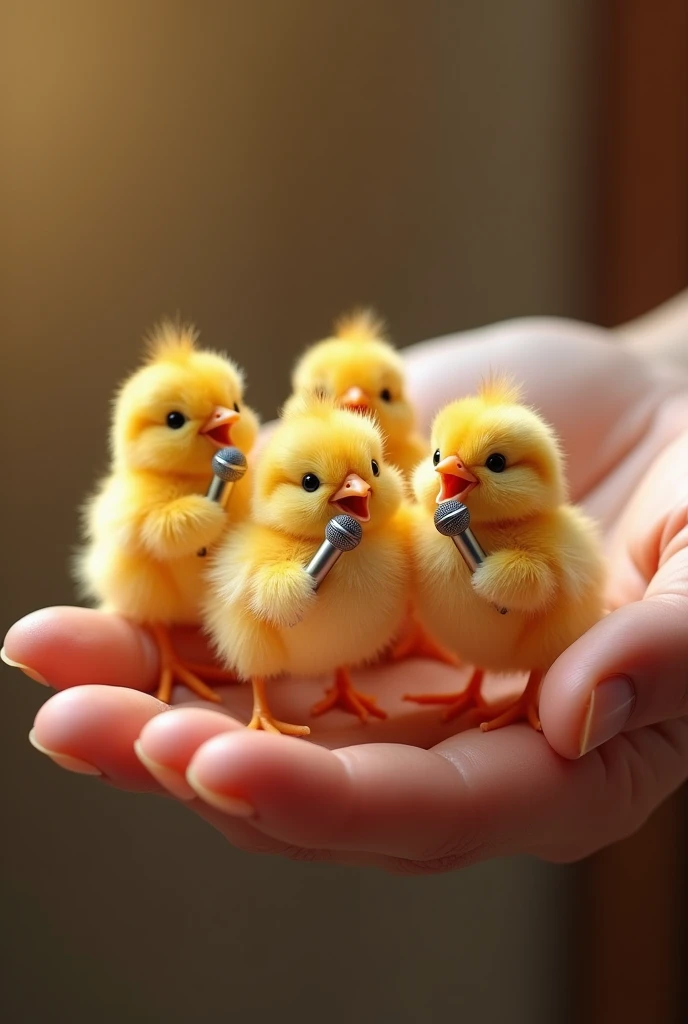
(345, 696)
(524, 708)
(457, 702)
(263, 719)
(171, 668)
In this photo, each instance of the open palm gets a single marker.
(409, 792)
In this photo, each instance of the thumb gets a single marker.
(629, 670)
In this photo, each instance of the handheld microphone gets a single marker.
(343, 533)
(452, 519)
(229, 465)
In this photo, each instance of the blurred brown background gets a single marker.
(260, 167)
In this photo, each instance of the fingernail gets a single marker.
(174, 782)
(234, 805)
(72, 764)
(610, 707)
(30, 672)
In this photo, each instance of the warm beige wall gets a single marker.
(259, 166)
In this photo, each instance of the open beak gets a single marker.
(218, 427)
(355, 399)
(455, 480)
(352, 498)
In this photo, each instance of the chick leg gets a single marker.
(524, 707)
(415, 642)
(171, 668)
(457, 702)
(211, 672)
(343, 695)
(263, 718)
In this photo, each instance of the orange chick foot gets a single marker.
(173, 668)
(264, 720)
(419, 644)
(456, 702)
(179, 671)
(416, 643)
(524, 708)
(211, 672)
(344, 695)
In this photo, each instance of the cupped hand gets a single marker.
(409, 793)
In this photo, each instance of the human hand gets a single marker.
(403, 793)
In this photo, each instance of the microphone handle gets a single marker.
(218, 491)
(322, 562)
(467, 543)
(473, 555)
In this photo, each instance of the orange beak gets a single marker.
(456, 480)
(352, 498)
(355, 399)
(218, 426)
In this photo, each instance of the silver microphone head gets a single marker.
(344, 532)
(452, 518)
(229, 464)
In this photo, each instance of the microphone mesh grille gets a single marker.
(452, 518)
(229, 464)
(344, 532)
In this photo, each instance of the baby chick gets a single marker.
(149, 518)
(263, 614)
(361, 371)
(544, 562)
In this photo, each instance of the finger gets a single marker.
(92, 729)
(475, 796)
(168, 742)
(80, 646)
(167, 745)
(630, 670)
(651, 528)
(390, 800)
(651, 430)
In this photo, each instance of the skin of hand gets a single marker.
(407, 794)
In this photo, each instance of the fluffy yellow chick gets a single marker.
(544, 561)
(149, 517)
(263, 614)
(361, 371)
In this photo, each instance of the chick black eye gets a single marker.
(310, 482)
(175, 420)
(496, 463)
(386, 395)
(375, 468)
(236, 407)
(436, 458)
